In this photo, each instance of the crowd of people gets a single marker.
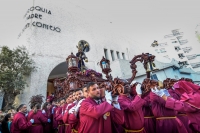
(94, 109)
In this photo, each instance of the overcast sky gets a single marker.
(142, 20)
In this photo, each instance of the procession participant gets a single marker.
(39, 119)
(50, 98)
(84, 90)
(20, 123)
(59, 116)
(65, 117)
(116, 126)
(74, 97)
(46, 110)
(149, 119)
(166, 120)
(73, 119)
(188, 103)
(168, 84)
(133, 115)
(94, 112)
(55, 105)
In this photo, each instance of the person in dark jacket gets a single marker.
(6, 123)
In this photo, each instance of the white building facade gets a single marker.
(52, 31)
(176, 45)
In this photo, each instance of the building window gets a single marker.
(118, 57)
(106, 53)
(154, 76)
(177, 48)
(190, 57)
(187, 49)
(162, 50)
(195, 65)
(175, 42)
(181, 56)
(175, 32)
(112, 55)
(157, 51)
(123, 56)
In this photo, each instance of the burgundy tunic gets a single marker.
(48, 126)
(59, 119)
(93, 116)
(182, 116)
(55, 123)
(133, 115)
(39, 120)
(20, 123)
(193, 114)
(66, 118)
(166, 120)
(149, 119)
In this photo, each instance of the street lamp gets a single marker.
(72, 63)
(105, 66)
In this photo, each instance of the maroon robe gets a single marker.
(59, 119)
(73, 121)
(133, 115)
(93, 117)
(166, 120)
(68, 125)
(149, 119)
(182, 116)
(48, 126)
(20, 123)
(193, 113)
(55, 123)
(39, 120)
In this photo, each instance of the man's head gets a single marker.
(74, 96)
(127, 89)
(85, 93)
(62, 102)
(79, 93)
(93, 90)
(22, 108)
(70, 98)
(66, 98)
(48, 100)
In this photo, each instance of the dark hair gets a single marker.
(71, 91)
(90, 84)
(78, 89)
(61, 99)
(36, 107)
(85, 86)
(45, 106)
(20, 106)
(4, 125)
(6, 117)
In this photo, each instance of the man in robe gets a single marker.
(39, 119)
(55, 106)
(74, 97)
(74, 111)
(20, 123)
(133, 114)
(59, 116)
(84, 90)
(94, 112)
(166, 120)
(189, 102)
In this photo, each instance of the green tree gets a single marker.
(15, 66)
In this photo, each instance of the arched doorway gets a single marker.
(58, 72)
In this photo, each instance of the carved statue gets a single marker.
(83, 47)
